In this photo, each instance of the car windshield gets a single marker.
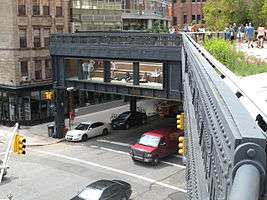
(90, 194)
(149, 140)
(82, 127)
(123, 115)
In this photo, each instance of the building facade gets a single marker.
(187, 11)
(25, 64)
(105, 15)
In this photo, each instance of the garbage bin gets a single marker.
(51, 129)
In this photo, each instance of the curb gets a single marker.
(45, 143)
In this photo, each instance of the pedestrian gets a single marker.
(235, 30)
(246, 37)
(227, 33)
(250, 35)
(90, 68)
(240, 34)
(232, 33)
(85, 70)
(260, 36)
(172, 30)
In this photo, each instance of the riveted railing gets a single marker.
(226, 148)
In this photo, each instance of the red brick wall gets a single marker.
(188, 8)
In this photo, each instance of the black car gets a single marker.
(128, 119)
(105, 190)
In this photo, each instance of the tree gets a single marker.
(264, 13)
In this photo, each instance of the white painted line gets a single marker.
(112, 142)
(125, 153)
(111, 150)
(153, 181)
(173, 164)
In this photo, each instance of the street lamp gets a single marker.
(71, 111)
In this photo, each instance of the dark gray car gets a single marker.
(105, 190)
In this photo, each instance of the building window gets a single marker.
(183, 1)
(38, 69)
(22, 38)
(58, 11)
(46, 7)
(35, 7)
(193, 17)
(46, 37)
(36, 37)
(24, 70)
(193, 1)
(59, 8)
(21, 8)
(174, 21)
(198, 18)
(59, 29)
(48, 69)
(185, 19)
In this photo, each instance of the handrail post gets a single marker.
(246, 184)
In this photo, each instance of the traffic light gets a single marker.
(181, 145)
(19, 144)
(180, 121)
(49, 95)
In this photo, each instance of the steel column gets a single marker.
(246, 185)
(106, 64)
(59, 117)
(132, 104)
(136, 73)
(79, 70)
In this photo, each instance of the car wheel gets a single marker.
(127, 126)
(143, 121)
(155, 161)
(105, 132)
(84, 137)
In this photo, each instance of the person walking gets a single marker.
(85, 70)
(260, 36)
(240, 35)
(90, 68)
(250, 35)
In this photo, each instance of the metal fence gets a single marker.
(226, 148)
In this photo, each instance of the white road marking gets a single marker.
(153, 181)
(125, 153)
(112, 142)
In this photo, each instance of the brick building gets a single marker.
(25, 65)
(186, 11)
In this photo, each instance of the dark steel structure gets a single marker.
(226, 156)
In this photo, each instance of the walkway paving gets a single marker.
(255, 86)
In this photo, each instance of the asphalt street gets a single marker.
(61, 170)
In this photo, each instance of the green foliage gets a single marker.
(237, 62)
(264, 13)
(220, 13)
(158, 27)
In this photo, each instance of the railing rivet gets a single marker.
(251, 153)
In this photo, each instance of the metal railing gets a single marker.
(224, 142)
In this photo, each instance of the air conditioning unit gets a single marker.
(24, 78)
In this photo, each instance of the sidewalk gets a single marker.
(256, 52)
(38, 135)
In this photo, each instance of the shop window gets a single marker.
(21, 8)
(185, 19)
(23, 38)
(193, 17)
(38, 69)
(36, 37)
(46, 37)
(48, 69)
(174, 21)
(183, 1)
(35, 7)
(198, 18)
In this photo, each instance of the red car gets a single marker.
(156, 144)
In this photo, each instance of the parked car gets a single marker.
(128, 119)
(155, 144)
(87, 130)
(105, 190)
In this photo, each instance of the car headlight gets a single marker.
(131, 151)
(148, 155)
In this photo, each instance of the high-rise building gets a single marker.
(100, 15)
(25, 64)
(187, 11)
